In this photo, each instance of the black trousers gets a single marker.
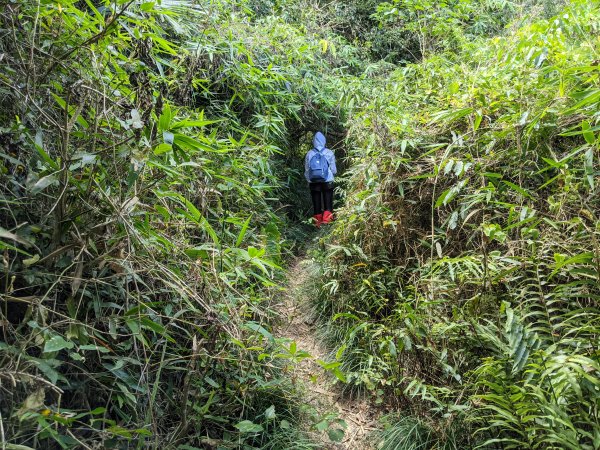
(322, 197)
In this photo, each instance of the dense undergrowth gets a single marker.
(151, 191)
(147, 155)
(462, 275)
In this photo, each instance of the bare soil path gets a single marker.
(323, 395)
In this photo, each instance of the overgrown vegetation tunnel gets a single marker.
(155, 225)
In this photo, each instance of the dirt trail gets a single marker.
(299, 325)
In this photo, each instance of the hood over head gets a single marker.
(319, 141)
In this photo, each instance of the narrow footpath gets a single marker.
(299, 325)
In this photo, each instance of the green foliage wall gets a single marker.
(141, 149)
(462, 274)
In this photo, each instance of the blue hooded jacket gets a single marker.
(319, 145)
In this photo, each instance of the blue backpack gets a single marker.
(318, 168)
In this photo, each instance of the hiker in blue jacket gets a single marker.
(319, 171)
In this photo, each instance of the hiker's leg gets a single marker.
(328, 202)
(328, 196)
(316, 196)
(322, 199)
(316, 200)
